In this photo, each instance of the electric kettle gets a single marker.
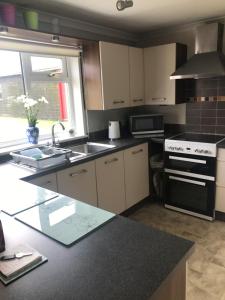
(114, 130)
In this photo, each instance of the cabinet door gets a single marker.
(79, 182)
(47, 181)
(114, 62)
(110, 182)
(136, 60)
(160, 63)
(220, 172)
(136, 174)
(220, 199)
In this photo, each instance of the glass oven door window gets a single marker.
(190, 194)
(190, 163)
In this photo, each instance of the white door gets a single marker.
(47, 181)
(136, 165)
(136, 60)
(160, 63)
(110, 182)
(114, 61)
(79, 182)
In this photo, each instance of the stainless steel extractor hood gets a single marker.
(208, 61)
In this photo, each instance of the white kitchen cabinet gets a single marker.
(110, 182)
(106, 76)
(220, 199)
(159, 63)
(79, 182)
(220, 181)
(136, 174)
(136, 62)
(46, 181)
(220, 173)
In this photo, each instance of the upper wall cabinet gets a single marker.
(159, 63)
(106, 76)
(136, 61)
(113, 76)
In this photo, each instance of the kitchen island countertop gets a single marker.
(121, 260)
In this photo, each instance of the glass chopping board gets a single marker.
(65, 219)
(20, 196)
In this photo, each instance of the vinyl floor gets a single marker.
(206, 266)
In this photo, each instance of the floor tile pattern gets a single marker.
(206, 267)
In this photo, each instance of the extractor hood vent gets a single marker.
(208, 61)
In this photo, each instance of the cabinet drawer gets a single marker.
(79, 182)
(47, 181)
(220, 173)
(221, 154)
(110, 182)
(220, 199)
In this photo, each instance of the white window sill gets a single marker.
(59, 139)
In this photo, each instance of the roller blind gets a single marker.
(42, 47)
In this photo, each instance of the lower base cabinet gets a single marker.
(136, 168)
(79, 182)
(220, 181)
(110, 182)
(113, 182)
(47, 181)
(220, 199)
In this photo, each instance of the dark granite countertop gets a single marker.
(121, 260)
(17, 172)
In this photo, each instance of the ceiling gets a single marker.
(144, 16)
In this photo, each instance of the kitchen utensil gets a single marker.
(15, 255)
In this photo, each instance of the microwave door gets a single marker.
(147, 124)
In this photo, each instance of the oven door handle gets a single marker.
(198, 161)
(187, 180)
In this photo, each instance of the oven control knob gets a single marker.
(207, 152)
(196, 151)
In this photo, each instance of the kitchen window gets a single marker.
(57, 78)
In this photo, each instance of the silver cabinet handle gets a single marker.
(111, 160)
(197, 161)
(137, 100)
(118, 101)
(187, 180)
(138, 151)
(78, 173)
(159, 98)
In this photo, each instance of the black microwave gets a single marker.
(147, 125)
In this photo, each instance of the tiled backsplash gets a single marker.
(212, 89)
(206, 117)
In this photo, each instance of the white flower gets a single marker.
(43, 99)
(21, 98)
(29, 102)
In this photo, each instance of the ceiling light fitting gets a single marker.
(122, 4)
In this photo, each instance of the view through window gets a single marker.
(55, 78)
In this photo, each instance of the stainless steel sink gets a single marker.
(91, 148)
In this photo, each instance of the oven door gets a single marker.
(189, 163)
(191, 195)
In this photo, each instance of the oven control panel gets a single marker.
(194, 148)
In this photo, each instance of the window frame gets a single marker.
(28, 76)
